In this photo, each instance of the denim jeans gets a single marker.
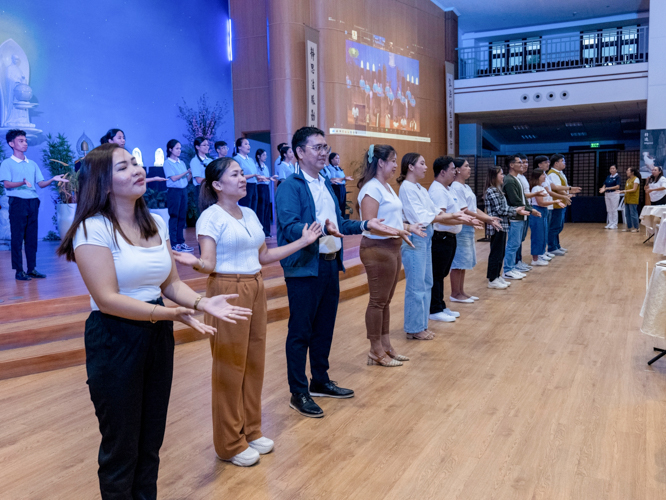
(555, 228)
(418, 275)
(519, 253)
(539, 231)
(513, 241)
(631, 215)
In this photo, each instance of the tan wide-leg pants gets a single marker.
(239, 352)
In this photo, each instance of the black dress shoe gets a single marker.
(36, 274)
(304, 405)
(329, 390)
(21, 276)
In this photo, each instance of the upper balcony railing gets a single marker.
(606, 47)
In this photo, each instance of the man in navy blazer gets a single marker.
(311, 274)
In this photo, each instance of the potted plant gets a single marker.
(157, 203)
(58, 158)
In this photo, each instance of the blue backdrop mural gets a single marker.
(124, 64)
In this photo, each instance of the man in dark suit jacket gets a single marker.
(311, 274)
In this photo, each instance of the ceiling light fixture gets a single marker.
(574, 124)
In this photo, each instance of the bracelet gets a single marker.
(151, 314)
(196, 302)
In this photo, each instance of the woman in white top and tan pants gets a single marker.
(123, 254)
(233, 249)
(380, 254)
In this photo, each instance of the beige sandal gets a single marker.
(383, 361)
(391, 352)
(424, 335)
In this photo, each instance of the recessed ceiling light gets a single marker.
(530, 136)
(578, 134)
(574, 124)
(520, 127)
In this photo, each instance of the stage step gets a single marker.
(52, 341)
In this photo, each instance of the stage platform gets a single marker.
(42, 321)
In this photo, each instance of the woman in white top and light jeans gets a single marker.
(233, 249)
(418, 209)
(123, 254)
(465, 256)
(380, 254)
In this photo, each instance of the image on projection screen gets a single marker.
(381, 91)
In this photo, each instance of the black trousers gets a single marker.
(264, 207)
(251, 198)
(661, 201)
(443, 250)
(130, 368)
(23, 217)
(177, 205)
(341, 193)
(496, 256)
(313, 306)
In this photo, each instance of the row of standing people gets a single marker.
(126, 261)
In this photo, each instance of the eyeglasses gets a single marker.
(320, 148)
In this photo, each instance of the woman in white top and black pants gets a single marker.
(381, 254)
(233, 249)
(123, 254)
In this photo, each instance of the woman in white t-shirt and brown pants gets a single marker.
(233, 249)
(380, 254)
(123, 254)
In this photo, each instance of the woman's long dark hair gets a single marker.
(636, 171)
(283, 153)
(407, 160)
(198, 142)
(170, 145)
(257, 158)
(534, 177)
(369, 165)
(491, 178)
(109, 135)
(214, 172)
(95, 188)
(238, 144)
(653, 178)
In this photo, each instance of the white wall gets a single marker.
(584, 86)
(656, 112)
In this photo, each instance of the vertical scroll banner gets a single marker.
(449, 69)
(312, 76)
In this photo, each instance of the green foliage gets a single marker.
(155, 199)
(58, 158)
(52, 236)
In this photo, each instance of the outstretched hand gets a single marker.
(186, 316)
(184, 258)
(376, 226)
(311, 233)
(332, 229)
(418, 230)
(219, 307)
(405, 235)
(60, 178)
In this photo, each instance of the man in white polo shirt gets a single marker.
(20, 176)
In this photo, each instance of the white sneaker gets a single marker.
(548, 254)
(559, 252)
(497, 284)
(539, 262)
(503, 281)
(442, 316)
(564, 249)
(245, 458)
(545, 257)
(455, 314)
(613, 227)
(513, 275)
(607, 226)
(263, 445)
(522, 267)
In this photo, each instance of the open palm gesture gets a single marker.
(219, 307)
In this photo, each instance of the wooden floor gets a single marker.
(540, 391)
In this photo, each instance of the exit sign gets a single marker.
(595, 144)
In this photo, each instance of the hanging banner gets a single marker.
(312, 76)
(653, 150)
(450, 109)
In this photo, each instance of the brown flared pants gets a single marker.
(239, 352)
(382, 261)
